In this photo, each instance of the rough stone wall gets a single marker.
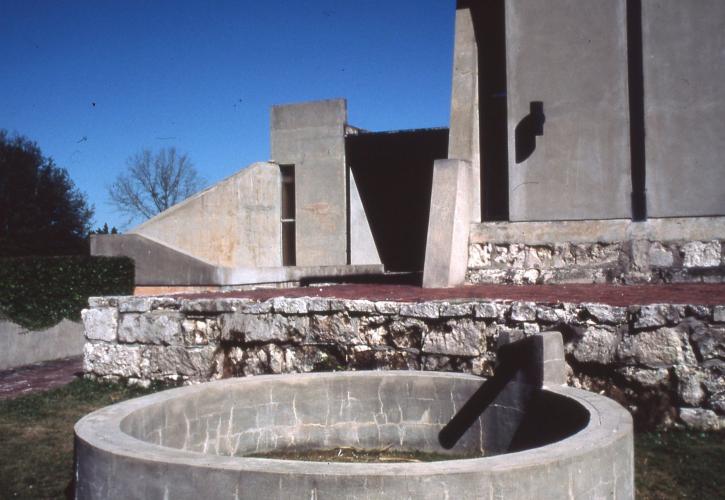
(666, 363)
(633, 261)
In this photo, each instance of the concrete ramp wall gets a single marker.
(235, 223)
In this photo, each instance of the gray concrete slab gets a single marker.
(311, 136)
(570, 55)
(446, 249)
(684, 71)
(605, 231)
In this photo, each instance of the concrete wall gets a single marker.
(311, 136)
(684, 94)
(19, 347)
(235, 223)
(572, 56)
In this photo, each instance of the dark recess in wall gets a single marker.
(394, 175)
(490, 28)
(636, 109)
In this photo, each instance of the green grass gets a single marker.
(679, 464)
(36, 436)
(36, 448)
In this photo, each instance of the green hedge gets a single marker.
(38, 292)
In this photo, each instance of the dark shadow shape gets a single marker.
(513, 358)
(489, 24)
(394, 176)
(528, 129)
(549, 418)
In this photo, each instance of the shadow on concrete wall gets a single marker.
(528, 129)
(394, 174)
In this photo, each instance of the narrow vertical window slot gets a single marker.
(288, 215)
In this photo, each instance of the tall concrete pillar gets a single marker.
(446, 249)
(311, 136)
(464, 139)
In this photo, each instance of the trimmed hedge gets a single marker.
(38, 292)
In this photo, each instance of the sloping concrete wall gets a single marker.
(235, 223)
(311, 136)
(570, 55)
(684, 94)
(155, 263)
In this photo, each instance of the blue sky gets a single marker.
(93, 82)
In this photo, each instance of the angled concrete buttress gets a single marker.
(446, 249)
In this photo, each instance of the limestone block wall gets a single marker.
(616, 251)
(664, 362)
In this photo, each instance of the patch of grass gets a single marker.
(36, 447)
(36, 436)
(680, 464)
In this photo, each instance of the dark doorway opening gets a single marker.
(289, 257)
(490, 27)
(636, 109)
(394, 176)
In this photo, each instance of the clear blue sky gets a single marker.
(202, 75)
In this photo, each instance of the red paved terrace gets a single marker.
(615, 295)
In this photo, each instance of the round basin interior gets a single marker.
(372, 412)
(204, 441)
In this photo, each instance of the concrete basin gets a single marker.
(191, 442)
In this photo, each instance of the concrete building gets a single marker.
(583, 135)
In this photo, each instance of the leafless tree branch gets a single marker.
(152, 183)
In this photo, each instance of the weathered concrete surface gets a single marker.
(446, 249)
(186, 443)
(155, 263)
(604, 231)
(19, 347)
(235, 223)
(684, 95)
(464, 137)
(311, 136)
(362, 243)
(572, 56)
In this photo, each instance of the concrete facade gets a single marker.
(234, 223)
(570, 55)
(684, 95)
(311, 136)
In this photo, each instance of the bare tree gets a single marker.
(154, 182)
